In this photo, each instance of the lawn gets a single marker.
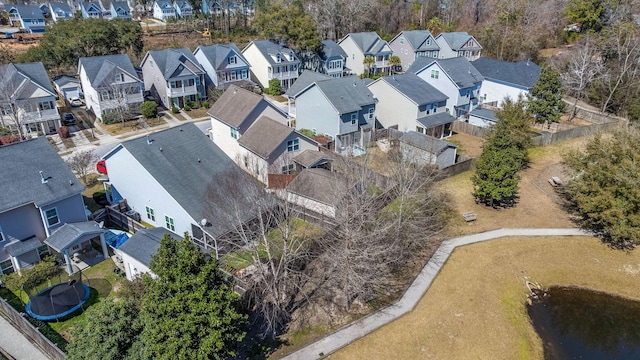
(156, 121)
(121, 128)
(87, 195)
(198, 113)
(475, 308)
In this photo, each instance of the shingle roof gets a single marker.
(264, 136)
(24, 79)
(217, 54)
(522, 73)
(305, 79)
(319, 184)
(100, 69)
(484, 114)
(28, 11)
(346, 94)
(425, 142)
(456, 40)
(88, 4)
(331, 49)
(18, 248)
(164, 4)
(20, 180)
(441, 118)
(168, 60)
(369, 42)
(418, 38)
(60, 6)
(190, 167)
(309, 158)
(235, 105)
(145, 243)
(416, 89)
(268, 48)
(120, 4)
(67, 234)
(63, 80)
(459, 69)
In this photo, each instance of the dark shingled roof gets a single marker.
(418, 40)
(305, 79)
(145, 243)
(264, 136)
(168, 60)
(18, 248)
(522, 73)
(20, 180)
(484, 114)
(191, 169)
(459, 69)
(268, 48)
(441, 118)
(100, 70)
(331, 49)
(456, 40)
(426, 142)
(309, 158)
(235, 105)
(347, 94)
(27, 12)
(217, 54)
(23, 79)
(67, 234)
(369, 42)
(416, 89)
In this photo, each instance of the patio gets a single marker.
(73, 242)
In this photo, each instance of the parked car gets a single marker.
(75, 102)
(68, 119)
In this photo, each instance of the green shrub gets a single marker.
(205, 104)
(109, 118)
(187, 107)
(193, 104)
(149, 109)
(175, 110)
(274, 87)
(31, 277)
(307, 132)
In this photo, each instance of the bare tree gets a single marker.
(10, 106)
(82, 163)
(584, 67)
(117, 102)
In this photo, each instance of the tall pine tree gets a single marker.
(545, 98)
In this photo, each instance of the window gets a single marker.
(46, 105)
(244, 74)
(234, 133)
(401, 40)
(169, 224)
(43, 250)
(435, 54)
(233, 60)
(151, 63)
(420, 129)
(52, 216)
(435, 108)
(197, 81)
(257, 169)
(246, 161)
(151, 215)
(354, 118)
(120, 77)
(288, 169)
(6, 267)
(2, 238)
(293, 145)
(428, 42)
(435, 74)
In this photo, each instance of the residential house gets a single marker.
(407, 103)
(341, 108)
(180, 180)
(30, 100)
(110, 84)
(91, 9)
(224, 64)
(458, 44)
(313, 159)
(482, 117)
(164, 10)
(333, 59)
(357, 46)
(27, 17)
(425, 150)
(46, 12)
(505, 79)
(136, 252)
(411, 44)
(456, 78)
(183, 8)
(39, 195)
(173, 76)
(119, 10)
(60, 11)
(269, 147)
(211, 7)
(234, 112)
(269, 60)
(68, 87)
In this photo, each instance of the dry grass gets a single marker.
(475, 309)
(121, 128)
(179, 116)
(156, 121)
(198, 113)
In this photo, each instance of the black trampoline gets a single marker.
(58, 300)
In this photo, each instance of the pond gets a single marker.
(583, 324)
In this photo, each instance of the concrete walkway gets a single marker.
(16, 344)
(414, 293)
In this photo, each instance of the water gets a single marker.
(582, 324)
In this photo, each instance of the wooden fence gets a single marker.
(31, 332)
(115, 215)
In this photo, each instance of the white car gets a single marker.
(75, 102)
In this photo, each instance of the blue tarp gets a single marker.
(115, 240)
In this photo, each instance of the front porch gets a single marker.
(73, 242)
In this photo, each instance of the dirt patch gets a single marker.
(476, 309)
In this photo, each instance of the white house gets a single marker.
(110, 84)
(164, 10)
(334, 59)
(60, 11)
(91, 9)
(224, 65)
(411, 44)
(119, 10)
(357, 46)
(27, 17)
(455, 44)
(269, 60)
(505, 79)
(183, 8)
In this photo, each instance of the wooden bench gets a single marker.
(469, 216)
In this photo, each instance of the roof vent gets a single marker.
(160, 148)
(198, 159)
(149, 141)
(235, 90)
(44, 179)
(355, 84)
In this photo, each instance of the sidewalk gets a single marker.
(16, 344)
(415, 292)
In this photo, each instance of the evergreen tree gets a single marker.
(545, 98)
(189, 311)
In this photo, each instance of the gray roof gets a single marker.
(522, 73)
(418, 40)
(145, 243)
(426, 142)
(217, 54)
(24, 79)
(60, 6)
(28, 11)
(67, 234)
(120, 4)
(305, 79)
(456, 40)
(310, 158)
(100, 70)
(18, 248)
(268, 48)
(164, 4)
(459, 69)
(63, 80)
(235, 105)
(193, 170)
(21, 182)
(441, 118)
(483, 113)
(264, 136)
(168, 61)
(319, 184)
(87, 5)
(346, 94)
(416, 89)
(369, 42)
(331, 49)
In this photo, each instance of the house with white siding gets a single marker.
(224, 64)
(269, 60)
(357, 46)
(458, 44)
(505, 79)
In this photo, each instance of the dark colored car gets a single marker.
(68, 119)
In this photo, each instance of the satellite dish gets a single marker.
(203, 222)
(101, 224)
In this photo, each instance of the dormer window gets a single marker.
(278, 57)
(428, 41)
(233, 60)
(119, 77)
